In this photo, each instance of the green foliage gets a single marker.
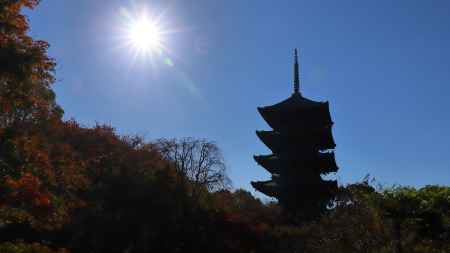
(421, 217)
(20, 247)
(399, 219)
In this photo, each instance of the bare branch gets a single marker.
(199, 160)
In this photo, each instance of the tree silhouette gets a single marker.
(199, 160)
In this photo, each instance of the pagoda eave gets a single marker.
(295, 102)
(322, 140)
(295, 120)
(269, 188)
(271, 139)
(269, 162)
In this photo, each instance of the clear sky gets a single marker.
(384, 66)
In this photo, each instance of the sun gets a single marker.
(144, 35)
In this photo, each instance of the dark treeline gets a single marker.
(69, 188)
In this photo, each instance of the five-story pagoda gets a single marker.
(300, 141)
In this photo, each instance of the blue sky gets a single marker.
(382, 65)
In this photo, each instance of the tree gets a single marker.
(250, 209)
(26, 71)
(420, 217)
(27, 106)
(199, 160)
(36, 189)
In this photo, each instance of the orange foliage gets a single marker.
(26, 71)
(27, 191)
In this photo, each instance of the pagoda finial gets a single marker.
(296, 74)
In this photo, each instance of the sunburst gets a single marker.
(142, 33)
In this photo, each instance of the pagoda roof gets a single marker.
(321, 139)
(295, 102)
(327, 162)
(329, 186)
(322, 163)
(269, 188)
(270, 162)
(296, 113)
(271, 139)
(321, 187)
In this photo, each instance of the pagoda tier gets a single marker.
(269, 188)
(320, 162)
(310, 191)
(319, 139)
(269, 162)
(296, 114)
(326, 163)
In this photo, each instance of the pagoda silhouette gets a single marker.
(301, 141)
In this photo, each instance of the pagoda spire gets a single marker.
(296, 74)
